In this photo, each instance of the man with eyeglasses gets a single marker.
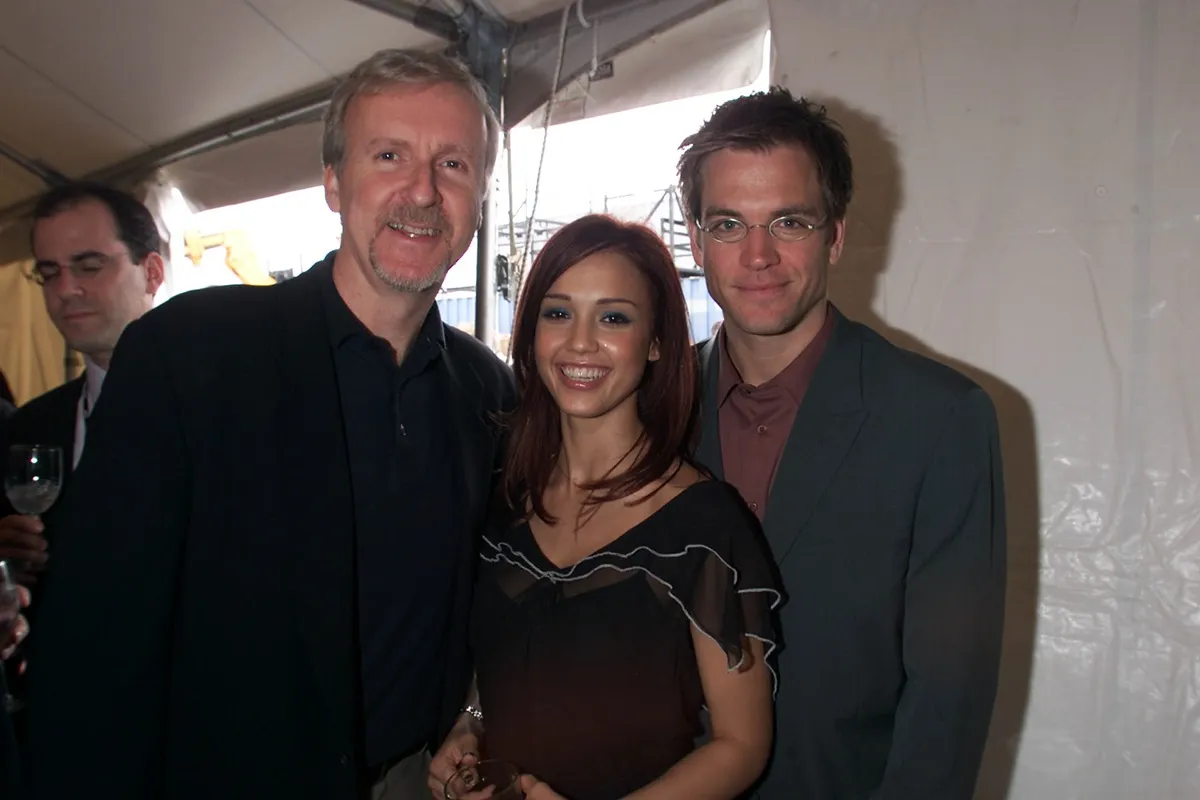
(97, 257)
(875, 472)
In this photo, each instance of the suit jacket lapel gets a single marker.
(708, 450)
(826, 425)
(315, 479)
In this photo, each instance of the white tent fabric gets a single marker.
(1027, 209)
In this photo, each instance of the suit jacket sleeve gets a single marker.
(954, 612)
(100, 659)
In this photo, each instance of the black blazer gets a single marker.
(198, 634)
(886, 518)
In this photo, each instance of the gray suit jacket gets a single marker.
(886, 518)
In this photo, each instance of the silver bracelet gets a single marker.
(474, 712)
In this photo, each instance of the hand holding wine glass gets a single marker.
(32, 481)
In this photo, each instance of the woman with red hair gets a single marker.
(620, 591)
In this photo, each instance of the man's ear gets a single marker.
(838, 241)
(156, 273)
(333, 197)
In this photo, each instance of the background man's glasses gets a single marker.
(82, 269)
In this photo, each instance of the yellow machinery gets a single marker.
(239, 256)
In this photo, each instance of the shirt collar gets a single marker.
(728, 377)
(93, 382)
(794, 377)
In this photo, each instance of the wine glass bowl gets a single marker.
(33, 477)
(494, 780)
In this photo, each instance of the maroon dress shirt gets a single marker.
(755, 420)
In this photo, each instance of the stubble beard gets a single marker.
(414, 284)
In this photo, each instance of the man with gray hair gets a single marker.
(263, 571)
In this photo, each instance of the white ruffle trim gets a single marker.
(506, 552)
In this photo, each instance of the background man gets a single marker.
(97, 255)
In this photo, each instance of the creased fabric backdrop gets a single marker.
(1028, 209)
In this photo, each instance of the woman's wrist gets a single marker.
(470, 718)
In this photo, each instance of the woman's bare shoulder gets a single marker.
(682, 477)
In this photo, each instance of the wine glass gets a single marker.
(32, 480)
(10, 608)
(474, 781)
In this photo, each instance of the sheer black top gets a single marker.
(587, 676)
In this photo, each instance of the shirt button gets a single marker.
(754, 506)
(344, 760)
(762, 429)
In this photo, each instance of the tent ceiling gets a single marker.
(288, 159)
(716, 51)
(95, 83)
(89, 85)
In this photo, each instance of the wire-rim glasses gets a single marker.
(788, 228)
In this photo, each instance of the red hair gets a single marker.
(666, 398)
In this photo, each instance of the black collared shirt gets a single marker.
(404, 471)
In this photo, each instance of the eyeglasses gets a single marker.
(83, 269)
(788, 228)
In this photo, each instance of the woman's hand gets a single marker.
(536, 790)
(461, 747)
